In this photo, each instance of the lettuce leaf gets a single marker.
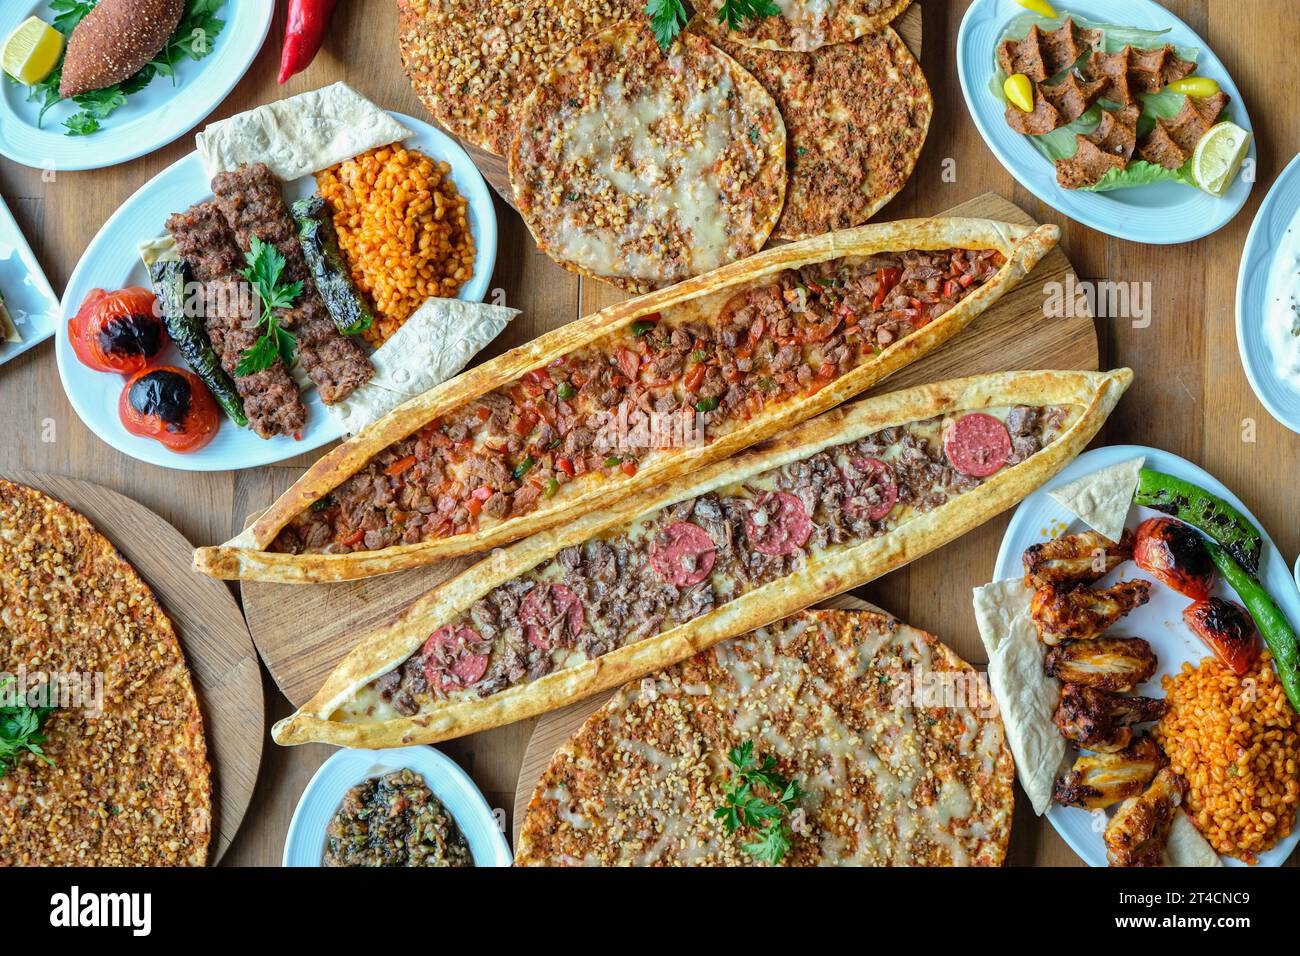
(1141, 173)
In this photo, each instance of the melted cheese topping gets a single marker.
(888, 778)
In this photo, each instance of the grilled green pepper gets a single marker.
(169, 278)
(1272, 623)
(1193, 504)
(320, 246)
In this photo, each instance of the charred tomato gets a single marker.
(170, 405)
(1227, 629)
(1173, 553)
(117, 331)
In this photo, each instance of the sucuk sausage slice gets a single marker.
(880, 479)
(687, 557)
(543, 608)
(451, 660)
(778, 524)
(977, 444)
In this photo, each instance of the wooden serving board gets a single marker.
(553, 730)
(212, 633)
(303, 631)
(494, 168)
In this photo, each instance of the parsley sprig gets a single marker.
(192, 40)
(265, 268)
(668, 17)
(759, 798)
(20, 732)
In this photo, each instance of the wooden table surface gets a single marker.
(1190, 397)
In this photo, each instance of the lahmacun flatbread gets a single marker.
(804, 25)
(632, 396)
(643, 167)
(131, 787)
(473, 62)
(898, 752)
(662, 575)
(856, 115)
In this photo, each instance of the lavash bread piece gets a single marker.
(8, 331)
(1102, 499)
(300, 135)
(246, 556)
(1026, 696)
(474, 62)
(1093, 395)
(114, 41)
(436, 342)
(642, 167)
(1186, 846)
(856, 116)
(130, 785)
(837, 699)
(804, 25)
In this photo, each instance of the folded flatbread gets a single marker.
(1186, 846)
(299, 135)
(1101, 500)
(1026, 696)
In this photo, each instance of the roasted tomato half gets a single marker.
(170, 405)
(117, 331)
(1227, 629)
(1173, 553)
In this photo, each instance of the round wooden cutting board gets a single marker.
(303, 631)
(494, 168)
(212, 633)
(553, 730)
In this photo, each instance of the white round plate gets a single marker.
(1270, 259)
(1160, 621)
(151, 118)
(305, 843)
(111, 261)
(1160, 213)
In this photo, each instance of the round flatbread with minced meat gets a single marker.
(896, 747)
(125, 779)
(809, 24)
(643, 167)
(856, 115)
(473, 62)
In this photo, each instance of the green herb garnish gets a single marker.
(759, 798)
(706, 405)
(265, 267)
(524, 467)
(20, 732)
(668, 17)
(566, 391)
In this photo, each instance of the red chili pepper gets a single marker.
(481, 493)
(354, 538)
(566, 466)
(628, 468)
(526, 423)
(399, 466)
(474, 507)
(304, 32)
(966, 279)
(629, 362)
(888, 278)
(694, 377)
(950, 289)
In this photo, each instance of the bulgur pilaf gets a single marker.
(404, 229)
(1236, 740)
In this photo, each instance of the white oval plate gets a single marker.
(30, 301)
(151, 118)
(1160, 213)
(111, 261)
(1160, 621)
(1272, 252)
(305, 843)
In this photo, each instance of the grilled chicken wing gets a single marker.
(1101, 721)
(1139, 830)
(1084, 613)
(1109, 663)
(1075, 559)
(1098, 780)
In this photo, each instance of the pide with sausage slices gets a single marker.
(829, 505)
(632, 396)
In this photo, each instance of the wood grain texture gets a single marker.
(1190, 395)
(494, 168)
(211, 630)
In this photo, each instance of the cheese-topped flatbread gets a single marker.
(1102, 499)
(1026, 696)
(643, 167)
(299, 135)
(880, 725)
(809, 24)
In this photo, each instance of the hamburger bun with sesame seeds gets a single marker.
(115, 41)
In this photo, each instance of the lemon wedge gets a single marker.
(1218, 156)
(32, 51)
(1041, 7)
